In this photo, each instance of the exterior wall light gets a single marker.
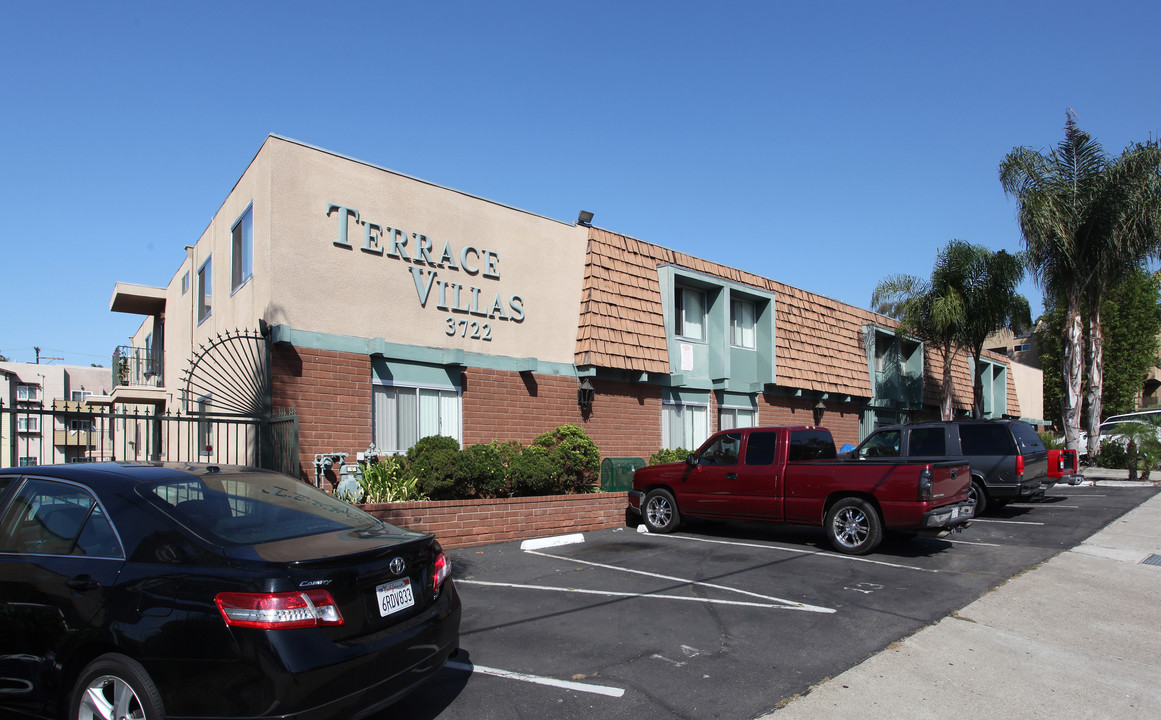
(584, 395)
(819, 409)
(585, 218)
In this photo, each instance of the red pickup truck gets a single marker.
(791, 474)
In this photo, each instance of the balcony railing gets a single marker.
(137, 366)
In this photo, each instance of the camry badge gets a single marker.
(397, 565)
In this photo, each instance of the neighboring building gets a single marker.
(1027, 375)
(382, 308)
(48, 415)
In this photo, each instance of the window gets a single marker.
(881, 444)
(205, 427)
(204, 290)
(27, 393)
(928, 441)
(986, 439)
(684, 426)
(761, 448)
(806, 445)
(54, 518)
(27, 461)
(81, 395)
(80, 425)
(730, 418)
(689, 313)
(742, 324)
(242, 249)
(185, 283)
(403, 415)
(28, 423)
(722, 451)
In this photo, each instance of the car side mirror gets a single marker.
(691, 460)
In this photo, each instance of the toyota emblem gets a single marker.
(397, 565)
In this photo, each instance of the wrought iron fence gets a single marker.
(78, 432)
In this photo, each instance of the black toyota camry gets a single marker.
(151, 591)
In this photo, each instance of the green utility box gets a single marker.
(617, 473)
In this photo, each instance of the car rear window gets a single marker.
(253, 508)
(928, 441)
(986, 439)
(811, 445)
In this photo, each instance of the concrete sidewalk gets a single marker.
(1076, 637)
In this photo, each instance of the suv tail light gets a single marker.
(277, 611)
(926, 479)
(441, 573)
(1019, 467)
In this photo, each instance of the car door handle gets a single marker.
(731, 476)
(83, 583)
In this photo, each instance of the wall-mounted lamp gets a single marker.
(819, 409)
(584, 395)
(585, 218)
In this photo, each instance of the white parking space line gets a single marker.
(1007, 522)
(789, 604)
(800, 551)
(781, 605)
(972, 542)
(606, 690)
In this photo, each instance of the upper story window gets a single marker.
(185, 283)
(689, 313)
(204, 289)
(81, 395)
(742, 324)
(242, 249)
(27, 393)
(27, 423)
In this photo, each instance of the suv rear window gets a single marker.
(928, 441)
(986, 439)
(1027, 438)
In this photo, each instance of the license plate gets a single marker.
(394, 596)
(954, 513)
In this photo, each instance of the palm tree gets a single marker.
(989, 292)
(1085, 219)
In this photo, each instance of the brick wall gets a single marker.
(842, 419)
(464, 523)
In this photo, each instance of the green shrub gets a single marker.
(1052, 441)
(432, 462)
(1112, 455)
(574, 460)
(480, 472)
(531, 473)
(664, 456)
(387, 480)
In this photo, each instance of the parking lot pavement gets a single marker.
(1074, 637)
(720, 620)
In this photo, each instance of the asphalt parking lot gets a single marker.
(721, 620)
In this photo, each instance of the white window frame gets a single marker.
(242, 249)
(387, 433)
(185, 283)
(731, 417)
(27, 393)
(205, 289)
(743, 328)
(81, 395)
(693, 421)
(27, 423)
(681, 313)
(81, 425)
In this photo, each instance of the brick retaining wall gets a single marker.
(464, 523)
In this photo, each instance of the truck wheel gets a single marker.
(977, 495)
(853, 526)
(660, 512)
(115, 686)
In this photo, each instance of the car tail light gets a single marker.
(276, 611)
(925, 483)
(441, 571)
(1019, 467)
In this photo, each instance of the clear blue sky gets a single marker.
(823, 144)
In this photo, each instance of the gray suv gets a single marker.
(1009, 461)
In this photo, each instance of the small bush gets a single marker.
(1052, 441)
(664, 456)
(432, 462)
(574, 459)
(531, 473)
(1112, 455)
(480, 472)
(387, 480)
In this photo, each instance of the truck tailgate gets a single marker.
(951, 481)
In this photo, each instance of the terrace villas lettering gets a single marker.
(425, 260)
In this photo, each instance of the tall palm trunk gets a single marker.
(1096, 373)
(946, 384)
(1073, 366)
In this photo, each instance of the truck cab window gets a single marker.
(761, 448)
(722, 451)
